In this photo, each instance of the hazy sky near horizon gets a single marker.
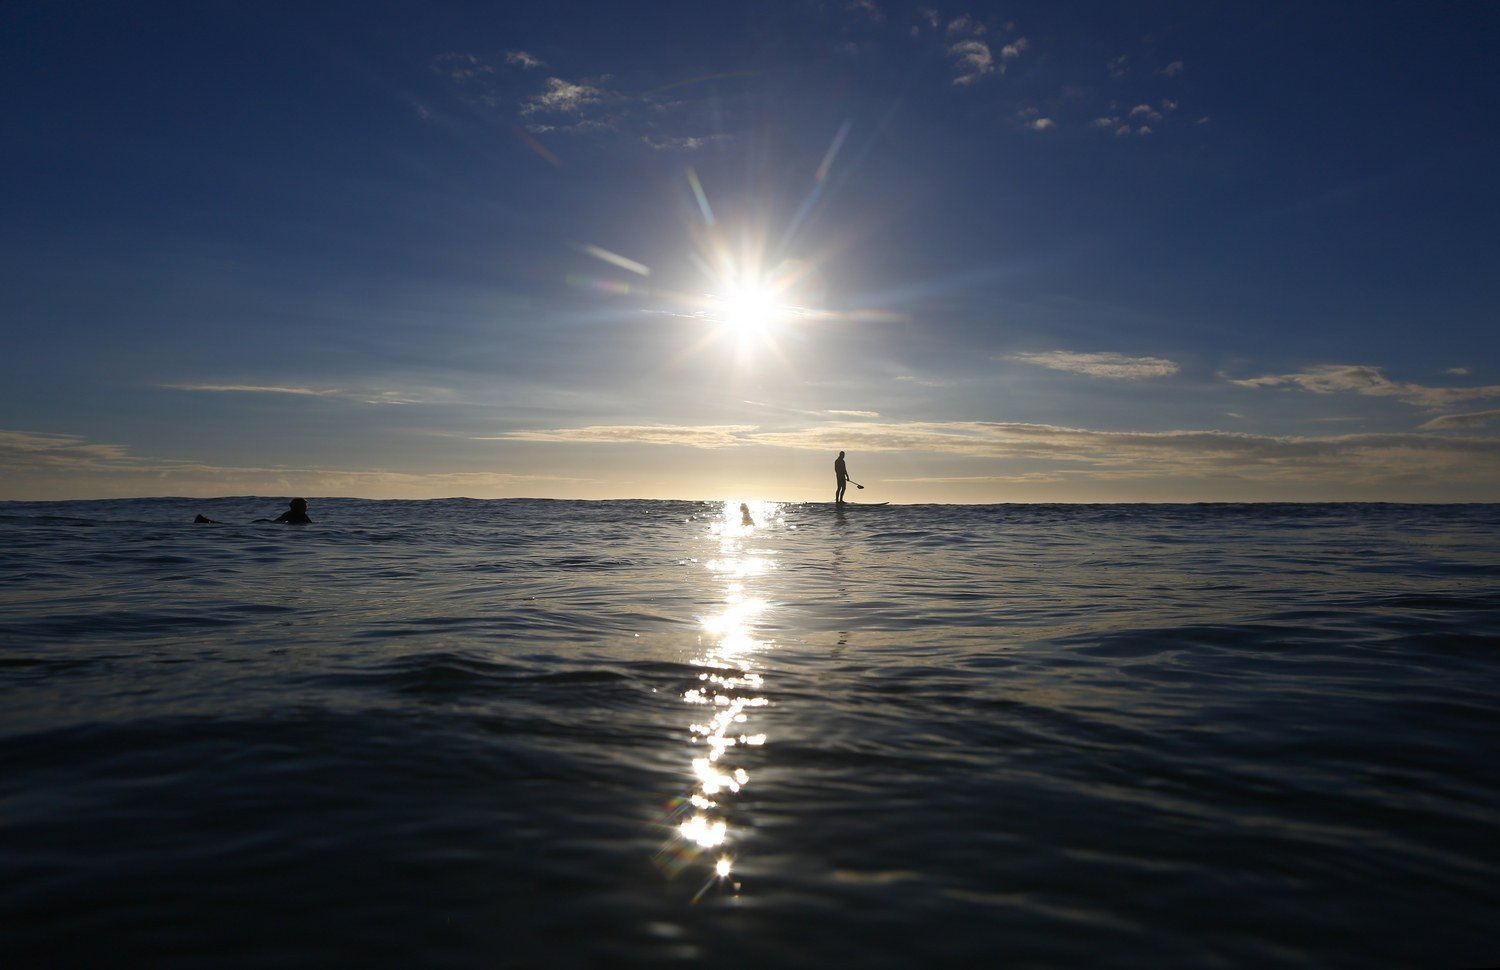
(1037, 251)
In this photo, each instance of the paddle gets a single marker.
(856, 484)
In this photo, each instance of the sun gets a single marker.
(749, 309)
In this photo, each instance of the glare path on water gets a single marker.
(723, 704)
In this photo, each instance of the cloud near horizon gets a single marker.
(51, 463)
(1450, 422)
(1104, 454)
(44, 465)
(1369, 380)
(691, 436)
(363, 397)
(1116, 366)
(256, 389)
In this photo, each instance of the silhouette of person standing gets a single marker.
(841, 474)
(745, 518)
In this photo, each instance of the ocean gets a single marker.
(467, 733)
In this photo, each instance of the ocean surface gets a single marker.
(468, 733)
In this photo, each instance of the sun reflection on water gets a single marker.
(724, 700)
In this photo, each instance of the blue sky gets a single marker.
(1021, 252)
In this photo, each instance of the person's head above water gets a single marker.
(295, 514)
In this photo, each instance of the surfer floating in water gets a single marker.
(296, 513)
(745, 515)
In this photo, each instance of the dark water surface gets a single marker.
(486, 733)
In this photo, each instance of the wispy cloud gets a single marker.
(1117, 366)
(1104, 455)
(1022, 478)
(40, 464)
(256, 389)
(1364, 379)
(460, 67)
(691, 436)
(965, 24)
(363, 396)
(22, 449)
(855, 414)
(562, 97)
(523, 60)
(973, 61)
(1171, 70)
(677, 117)
(48, 465)
(1139, 119)
(1454, 422)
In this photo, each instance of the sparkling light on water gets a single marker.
(729, 687)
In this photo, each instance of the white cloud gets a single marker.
(997, 439)
(964, 24)
(974, 61)
(367, 397)
(1171, 70)
(45, 465)
(692, 436)
(1457, 371)
(256, 389)
(1025, 478)
(1119, 66)
(1451, 422)
(562, 97)
(869, 8)
(1364, 379)
(855, 414)
(1015, 49)
(1117, 366)
(1344, 460)
(678, 143)
(523, 60)
(21, 449)
(1041, 124)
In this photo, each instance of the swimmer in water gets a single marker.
(296, 513)
(745, 515)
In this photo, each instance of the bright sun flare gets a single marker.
(749, 309)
